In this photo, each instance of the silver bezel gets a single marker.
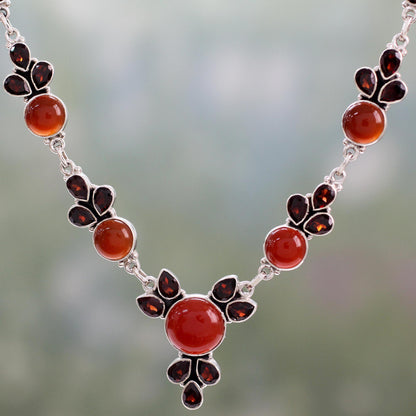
(180, 291)
(386, 85)
(326, 206)
(382, 133)
(87, 182)
(200, 390)
(24, 79)
(65, 109)
(280, 268)
(82, 226)
(113, 193)
(210, 361)
(179, 359)
(378, 67)
(35, 62)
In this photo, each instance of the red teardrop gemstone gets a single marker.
(45, 115)
(80, 216)
(208, 372)
(297, 208)
(320, 224)
(103, 198)
(195, 326)
(77, 187)
(20, 55)
(168, 285)
(240, 310)
(363, 122)
(393, 91)
(390, 61)
(323, 196)
(192, 396)
(225, 289)
(285, 248)
(42, 74)
(16, 85)
(150, 305)
(365, 79)
(179, 371)
(113, 239)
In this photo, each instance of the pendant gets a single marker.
(195, 325)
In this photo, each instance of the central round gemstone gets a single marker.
(195, 326)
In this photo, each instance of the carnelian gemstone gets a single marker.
(113, 239)
(364, 122)
(285, 247)
(195, 326)
(45, 115)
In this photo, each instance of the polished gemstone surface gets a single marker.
(195, 326)
(45, 115)
(285, 247)
(113, 239)
(364, 122)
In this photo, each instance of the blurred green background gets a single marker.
(205, 116)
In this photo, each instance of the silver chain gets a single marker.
(401, 40)
(12, 34)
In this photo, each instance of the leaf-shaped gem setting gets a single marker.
(366, 80)
(79, 187)
(297, 208)
(208, 372)
(390, 62)
(192, 396)
(225, 289)
(42, 74)
(319, 224)
(20, 55)
(240, 310)
(16, 85)
(151, 306)
(393, 91)
(323, 196)
(80, 216)
(103, 199)
(168, 284)
(179, 371)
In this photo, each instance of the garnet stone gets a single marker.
(195, 326)
(114, 239)
(45, 115)
(364, 122)
(285, 247)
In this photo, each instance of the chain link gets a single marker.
(12, 34)
(401, 40)
(131, 266)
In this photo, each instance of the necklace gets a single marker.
(285, 247)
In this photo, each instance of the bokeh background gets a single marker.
(205, 115)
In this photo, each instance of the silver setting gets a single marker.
(243, 300)
(224, 279)
(386, 85)
(311, 219)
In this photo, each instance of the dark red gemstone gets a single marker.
(192, 396)
(297, 208)
(323, 196)
(42, 74)
(151, 306)
(80, 216)
(225, 289)
(179, 371)
(103, 199)
(208, 372)
(78, 187)
(168, 285)
(390, 62)
(16, 85)
(320, 224)
(240, 310)
(393, 91)
(20, 55)
(365, 79)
